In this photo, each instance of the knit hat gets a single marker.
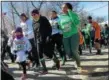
(18, 29)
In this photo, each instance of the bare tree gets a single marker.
(15, 9)
(27, 7)
(39, 6)
(100, 19)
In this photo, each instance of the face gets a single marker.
(13, 33)
(35, 16)
(23, 18)
(18, 33)
(89, 20)
(53, 15)
(64, 8)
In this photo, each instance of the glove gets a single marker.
(15, 51)
(48, 39)
(26, 52)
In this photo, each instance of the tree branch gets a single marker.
(33, 5)
(15, 9)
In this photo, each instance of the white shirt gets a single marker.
(27, 29)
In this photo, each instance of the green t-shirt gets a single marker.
(87, 30)
(69, 23)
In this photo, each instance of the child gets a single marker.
(21, 47)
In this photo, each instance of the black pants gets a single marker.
(8, 50)
(42, 46)
(57, 40)
(92, 38)
(23, 64)
(45, 48)
(34, 56)
(80, 49)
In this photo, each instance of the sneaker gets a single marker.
(23, 77)
(43, 72)
(98, 53)
(58, 64)
(33, 65)
(79, 70)
(54, 66)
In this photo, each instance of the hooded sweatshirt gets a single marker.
(27, 29)
(21, 46)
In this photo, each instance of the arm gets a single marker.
(87, 29)
(74, 17)
(49, 30)
(28, 45)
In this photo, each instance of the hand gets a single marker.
(48, 39)
(15, 51)
(26, 52)
(26, 35)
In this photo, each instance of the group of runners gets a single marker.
(35, 40)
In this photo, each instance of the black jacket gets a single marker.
(44, 29)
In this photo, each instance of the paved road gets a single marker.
(97, 66)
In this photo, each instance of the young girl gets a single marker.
(21, 47)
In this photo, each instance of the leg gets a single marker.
(60, 47)
(34, 52)
(74, 42)
(41, 51)
(23, 64)
(80, 49)
(3, 52)
(67, 46)
(55, 59)
(97, 46)
(10, 54)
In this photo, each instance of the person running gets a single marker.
(81, 41)
(21, 48)
(43, 30)
(56, 35)
(69, 22)
(28, 32)
(107, 34)
(86, 31)
(4, 47)
(97, 28)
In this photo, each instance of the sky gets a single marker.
(96, 8)
(90, 7)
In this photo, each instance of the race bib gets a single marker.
(67, 27)
(20, 47)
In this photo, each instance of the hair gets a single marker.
(89, 17)
(24, 15)
(69, 6)
(106, 25)
(85, 24)
(18, 29)
(54, 12)
(36, 11)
